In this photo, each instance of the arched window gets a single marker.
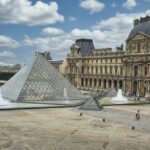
(135, 70)
(82, 82)
(109, 83)
(86, 82)
(104, 81)
(120, 84)
(90, 82)
(82, 69)
(146, 71)
(115, 83)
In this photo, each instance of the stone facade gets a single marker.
(127, 69)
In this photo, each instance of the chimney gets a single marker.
(136, 22)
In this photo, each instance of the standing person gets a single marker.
(138, 114)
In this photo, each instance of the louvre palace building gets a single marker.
(103, 69)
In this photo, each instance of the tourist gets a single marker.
(138, 115)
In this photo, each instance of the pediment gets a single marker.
(139, 36)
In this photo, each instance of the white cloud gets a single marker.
(117, 28)
(5, 64)
(57, 45)
(92, 5)
(52, 31)
(129, 4)
(120, 21)
(7, 42)
(110, 32)
(101, 38)
(92, 34)
(7, 54)
(24, 12)
(72, 18)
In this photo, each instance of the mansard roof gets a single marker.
(143, 27)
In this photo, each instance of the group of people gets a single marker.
(148, 99)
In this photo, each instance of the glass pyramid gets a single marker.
(40, 81)
(91, 104)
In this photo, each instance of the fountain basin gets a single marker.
(107, 101)
(110, 99)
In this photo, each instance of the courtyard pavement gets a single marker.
(65, 129)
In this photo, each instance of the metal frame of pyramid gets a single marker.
(39, 81)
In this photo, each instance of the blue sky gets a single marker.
(27, 26)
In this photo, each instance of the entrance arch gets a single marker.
(99, 82)
(86, 82)
(82, 82)
(90, 82)
(104, 83)
(115, 84)
(109, 83)
(120, 84)
(135, 70)
(135, 87)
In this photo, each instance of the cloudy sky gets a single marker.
(27, 26)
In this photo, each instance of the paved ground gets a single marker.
(126, 115)
(65, 129)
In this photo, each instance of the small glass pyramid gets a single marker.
(91, 104)
(40, 81)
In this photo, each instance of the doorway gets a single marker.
(135, 87)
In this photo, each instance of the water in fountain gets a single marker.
(2, 101)
(119, 98)
(66, 96)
